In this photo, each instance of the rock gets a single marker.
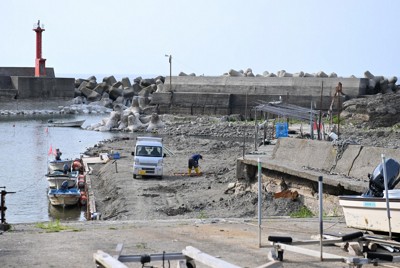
(265, 73)
(147, 82)
(300, 74)
(117, 84)
(112, 121)
(308, 75)
(128, 92)
(90, 95)
(101, 88)
(126, 82)
(110, 80)
(115, 93)
(367, 74)
(333, 75)
(134, 123)
(235, 73)
(155, 123)
(91, 84)
(160, 85)
(322, 74)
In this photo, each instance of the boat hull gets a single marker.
(77, 123)
(370, 213)
(58, 165)
(56, 179)
(61, 197)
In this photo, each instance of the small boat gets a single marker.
(369, 211)
(57, 177)
(58, 165)
(64, 196)
(76, 123)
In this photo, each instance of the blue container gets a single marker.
(114, 156)
(282, 130)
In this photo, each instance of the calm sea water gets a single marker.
(25, 143)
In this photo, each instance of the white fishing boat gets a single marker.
(56, 178)
(74, 123)
(370, 213)
(58, 165)
(64, 196)
(371, 210)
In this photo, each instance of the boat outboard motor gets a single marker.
(377, 182)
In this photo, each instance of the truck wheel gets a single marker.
(134, 176)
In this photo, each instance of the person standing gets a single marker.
(194, 163)
(58, 154)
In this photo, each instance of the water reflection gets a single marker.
(69, 213)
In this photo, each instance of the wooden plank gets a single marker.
(118, 250)
(272, 264)
(107, 261)
(206, 259)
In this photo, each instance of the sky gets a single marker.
(205, 37)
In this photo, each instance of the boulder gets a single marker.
(367, 74)
(110, 80)
(91, 84)
(137, 80)
(333, 75)
(79, 81)
(322, 74)
(155, 123)
(112, 121)
(159, 85)
(300, 74)
(101, 88)
(235, 73)
(126, 82)
(117, 84)
(147, 82)
(115, 93)
(134, 123)
(128, 92)
(90, 94)
(265, 73)
(308, 75)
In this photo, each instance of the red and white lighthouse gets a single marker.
(40, 63)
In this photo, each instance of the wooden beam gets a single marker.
(107, 261)
(206, 259)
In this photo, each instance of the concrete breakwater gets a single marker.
(231, 93)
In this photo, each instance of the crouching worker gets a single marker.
(194, 163)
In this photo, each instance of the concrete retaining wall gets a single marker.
(39, 87)
(309, 159)
(24, 71)
(239, 92)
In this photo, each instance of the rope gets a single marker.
(341, 146)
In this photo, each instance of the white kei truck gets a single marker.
(148, 157)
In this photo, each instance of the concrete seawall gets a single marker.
(309, 159)
(230, 95)
(21, 82)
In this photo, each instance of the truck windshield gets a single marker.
(151, 151)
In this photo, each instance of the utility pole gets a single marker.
(170, 71)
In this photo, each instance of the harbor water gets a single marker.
(26, 142)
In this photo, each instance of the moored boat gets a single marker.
(370, 213)
(58, 165)
(56, 178)
(370, 210)
(75, 123)
(64, 196)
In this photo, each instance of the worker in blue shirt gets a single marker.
(194, 163)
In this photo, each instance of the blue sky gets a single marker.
(207, 37)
